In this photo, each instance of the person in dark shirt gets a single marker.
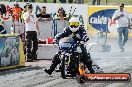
(43, 16)
(2, 30)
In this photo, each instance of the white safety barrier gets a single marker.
(51, 28)
(47, 28)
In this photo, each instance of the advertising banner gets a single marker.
(11, 51)
(100, 19)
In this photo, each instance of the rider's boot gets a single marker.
(89, 66)
(55, 62)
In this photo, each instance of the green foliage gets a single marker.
(70, 1)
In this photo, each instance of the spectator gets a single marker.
(123, 23)
(22, 35)
(16, 12)
(2, 30)
(43, 16)
(24, 10)
(61, 14)
(32, 27)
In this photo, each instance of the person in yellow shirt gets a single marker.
(16, 12)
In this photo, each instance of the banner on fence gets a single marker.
(100, 19)
(11, 51)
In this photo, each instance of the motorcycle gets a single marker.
(70, 55)
(71, 60)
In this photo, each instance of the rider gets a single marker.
(79, 34)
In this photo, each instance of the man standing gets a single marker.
(123, 23)
(16, 12)
(43, 16)
(32, 27)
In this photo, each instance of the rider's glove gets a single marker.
(82, 42)
(54, 41)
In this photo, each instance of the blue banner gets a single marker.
(99, 20)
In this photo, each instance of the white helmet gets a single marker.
(74, 24)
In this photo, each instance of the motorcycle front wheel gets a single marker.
(64, 65)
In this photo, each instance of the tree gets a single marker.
(31, 0)
(45, 1)
(70, 1)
